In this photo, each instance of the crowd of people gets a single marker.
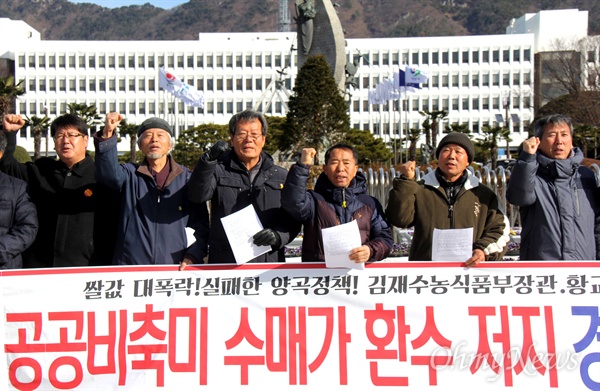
(81, 211)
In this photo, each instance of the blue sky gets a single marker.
(166, 4)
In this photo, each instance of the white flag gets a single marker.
(187, 93)
(415, 75)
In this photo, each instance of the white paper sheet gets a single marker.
(452, 245)
(239, 228)
(337, 243)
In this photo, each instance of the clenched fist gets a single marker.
(408, 169)
(530, 145)
(308, 154)
(13, 122)
(110, 124)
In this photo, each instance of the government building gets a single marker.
(481, 81)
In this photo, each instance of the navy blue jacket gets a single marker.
(152, 222)
(323, 208)
(18, 221)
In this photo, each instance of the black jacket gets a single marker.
(226, 183)
(77, 216)
(328, 206)
(18, 221)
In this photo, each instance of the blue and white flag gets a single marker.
(186, 93)
(404, 86)
(414, 75)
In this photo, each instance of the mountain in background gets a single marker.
(62, 20)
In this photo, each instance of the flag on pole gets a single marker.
(404, 86)
(414, 75)
(186, 93)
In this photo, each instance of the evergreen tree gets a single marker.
(39, 126)
(8, 94)
(317, 114)
(127, 129)
(370, 149)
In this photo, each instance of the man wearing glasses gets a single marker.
(233, 178)
(77, 218)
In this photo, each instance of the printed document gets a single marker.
(452, 245)
(239, 228)
(337, 243)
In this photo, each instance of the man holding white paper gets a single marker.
(234, 178)
(449, 198)
(339, 197)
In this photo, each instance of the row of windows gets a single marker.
(454, 103)
(142, 84)
(468, 79)
(381, 129)
(148, 61)
(445, 57)
(148, 108)
(220, 60)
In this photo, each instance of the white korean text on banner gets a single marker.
(413, 326)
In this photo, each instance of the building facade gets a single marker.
(481, 81)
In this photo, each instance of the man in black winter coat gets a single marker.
(232, 179)
(77, 217)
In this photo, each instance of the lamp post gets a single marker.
(506, 104)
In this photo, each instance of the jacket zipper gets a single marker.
(576, 200)
(451, 215)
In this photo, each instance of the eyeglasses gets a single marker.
(70, 136)
(243, 136)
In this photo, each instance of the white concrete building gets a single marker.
(478, 79)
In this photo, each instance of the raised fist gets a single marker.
(530, 145)
(308, 155)
(219, 148)
(408, 169)
(111, 123)
(13, 122)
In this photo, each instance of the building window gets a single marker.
(465, 103)
(239, 84)
(142, 84)
(141, 62)
(496, 55)
(52, 61)
(455, 80)
(454, 57)
(486, 56)
(121, 61)
(209, 61)
(91, 62)
(517, 55)
(475, 56)
(151, 61)
(82, 61)
(219, 61)
(475, 80)
(485, 104)
(425, 58)
(171, 61)
(101, 62)
(485, 80)
(210, 84)
(111, 85)
(92, 84)
(141, 108)
(229, 60)
(190, 61)
(248, 61)
(506, 79)
(102, 85)
(72, 84)
(180, 61)
(42, 84)
(527, 55)
(62, 84)
(415, 58)
(238, 61)
(31, 61)
(151, 84)
(42, 61)
(152, 108)
(32, 84)
(72, 61)
(219, 84)
(516, 78)
(435, 58)
(121, 84)
(200, 61)
(455, 104)
(52, 85)
(132, 84)
(506, 55)
(111, 61)
(62, 61)
(465, 57)
(81, 84)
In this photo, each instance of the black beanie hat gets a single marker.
(458, 139)
(152, 123)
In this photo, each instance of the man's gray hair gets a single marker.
(245, 116)
(552, 119)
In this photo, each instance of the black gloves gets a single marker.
(267, 237)
(219, 148)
